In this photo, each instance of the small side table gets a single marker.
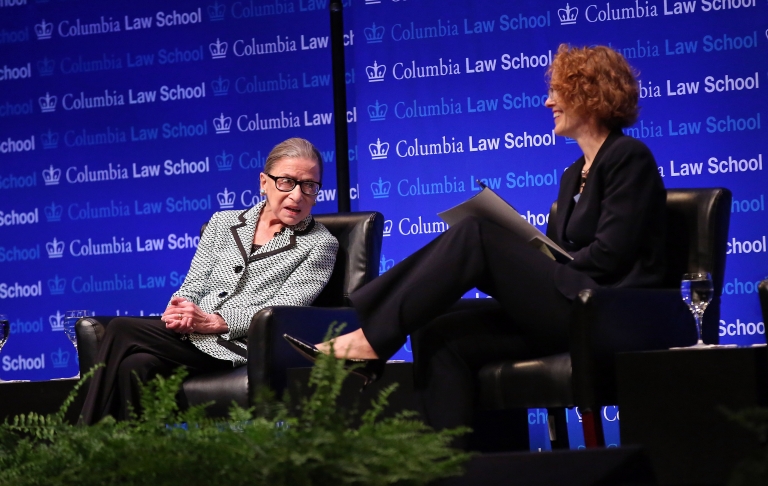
(41, 397)
(670, 402)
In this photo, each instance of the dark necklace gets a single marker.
(584, 174)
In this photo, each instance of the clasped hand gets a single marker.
(186, 317)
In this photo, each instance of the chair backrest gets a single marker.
(357, 261)
(697, 233)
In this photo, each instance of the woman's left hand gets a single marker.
(186, 317)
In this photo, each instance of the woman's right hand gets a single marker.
(186, 317)
(175, 319)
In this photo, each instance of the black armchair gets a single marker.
(608, 321)
(357, 263)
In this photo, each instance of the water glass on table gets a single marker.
(5, 331)
(70, 319)
(697, 291)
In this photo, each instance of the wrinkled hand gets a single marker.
(186, 317)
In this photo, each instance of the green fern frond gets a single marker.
(266, 444)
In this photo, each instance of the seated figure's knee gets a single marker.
(470, 223)
(126, 326)
(142, 365)
(118, 325)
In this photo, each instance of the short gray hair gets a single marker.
(294, 148)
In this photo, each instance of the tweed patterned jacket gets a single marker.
(227, 279)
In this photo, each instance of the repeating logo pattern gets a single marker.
(111, 154)
(112, 159)
(455, 96)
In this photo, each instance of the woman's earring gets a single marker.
(262, 192)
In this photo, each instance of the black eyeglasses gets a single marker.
(286, 184)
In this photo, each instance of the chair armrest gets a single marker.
(609, 321)
(762, 290)
(269, 355)
(90, 332)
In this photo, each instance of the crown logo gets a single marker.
(380, 189)
(220, 86)
(57, 285)
(377, 112)
(45, 66)
(218, 49)
(568, 15)
(226, 199)
(224, 161)
(44, 30)
(51, 176)
(53, 212)
(378, 150)
(60, 359)
(55, 248)
(47, 103)
(374, 34)
(216, 11)
(50, 139)
(222, 124)
(385, 264)
(376, 72)
(56, 321)
(387, 227)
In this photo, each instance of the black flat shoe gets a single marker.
(371, 369)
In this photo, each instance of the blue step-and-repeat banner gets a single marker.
(453, 92)
(123, 127)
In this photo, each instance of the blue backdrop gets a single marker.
(124, 126)
(454, 91)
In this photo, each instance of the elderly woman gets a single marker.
(271, 254)
(610, 219)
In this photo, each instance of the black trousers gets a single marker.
(451, 344)
(134, 351)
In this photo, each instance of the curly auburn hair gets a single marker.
(596, 82)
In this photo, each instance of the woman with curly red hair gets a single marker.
(610, 219)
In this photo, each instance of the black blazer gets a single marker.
(616, 231)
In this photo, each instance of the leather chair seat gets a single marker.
(220, 387)
(535, 383)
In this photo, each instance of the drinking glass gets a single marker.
(70, 319)
(697, 292)
(5, 331)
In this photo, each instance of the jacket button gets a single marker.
(223, 294)
(238, 269)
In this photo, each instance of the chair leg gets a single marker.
(558, 428)
(593, 429)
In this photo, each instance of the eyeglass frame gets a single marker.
(296, 182)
